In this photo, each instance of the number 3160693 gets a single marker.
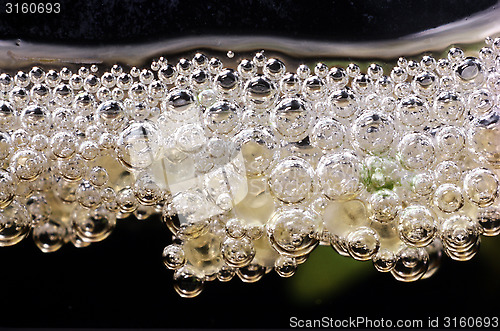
(33, 8)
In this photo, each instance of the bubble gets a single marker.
(384, 85)
(227, 83)
(188, 282)
(257, 148)
(88, 150)
(321, 70)
(73, 168)
(417, 226)
(19, 138)
(285, 266)
(443, 67)
(399, 75)
(204, 252)
(489, 220)
(384, 260)
(222, 117)
(413, 68)
(173, 256)
(484, 135)
(84, 72)
(137, 145)
(481, 186)
(290, 231)
(425, 84)
(28, 164)
(448, 198)
(459, 234)
(291, 119)
(88, 195)
(402, 90)
(447, 172)
(416, 151)
(146, 76)
(291, 180)
(147, 190)
(385, 205)
(362, 84)
(111, 113)
(238, 252)
(91, 83)
(167, 74)
(214, 65)
(93, 225)
(35, 118)
(493, 82)
(14, 223)
(6, 82)
(7, 115)
(190, 138)
(337, 78)
(465, 254)
(76, 82)
(251, 273)
(290, 84)
(5, 145)
(353, 70)
(184, 67)
(126, 200)
(313, 88)
(274, 69)
(363, 243)
(226, 273)
(65, 189)
(50, 235)
(469, 73)
(373, 132)
(327, 134)
(37, 75)
(190, 206)
(235, 228)
(423, 183)
(412, 111)
(179, 105)
(340, 175)
(19, 98)
(260, 92)
(449, 107)
(339, 244)
(207, 98)
(450, 140)
(303, 71)
(343, 103)
(7, 188)
(411, 264)
(254, 231)
(428, 63)
(480, 102)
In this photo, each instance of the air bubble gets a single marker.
(290, 231)
(291, 180)
(50, 235)
(411, 264)
(188, 283)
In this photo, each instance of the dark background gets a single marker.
(121, 282)
(125, 21)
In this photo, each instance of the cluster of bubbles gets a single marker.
(251, 168)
